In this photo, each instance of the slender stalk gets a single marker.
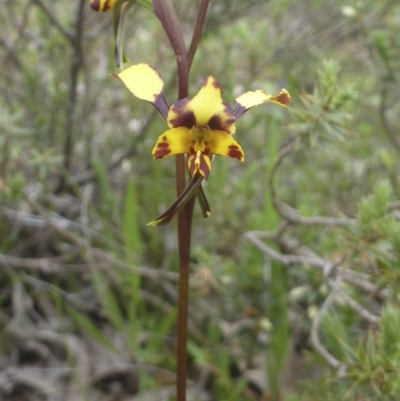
(77, 63)
(183, 303)
(165, 11)
(198, 29)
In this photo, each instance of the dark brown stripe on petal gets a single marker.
(162, 150)
(204, 167)
(192, 164)
(183, 117)
(235, 152)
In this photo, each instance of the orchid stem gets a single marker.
(165, 11)
(184, 228)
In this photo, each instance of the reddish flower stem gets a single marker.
(184, 234)
(185, 224)
(165, 11)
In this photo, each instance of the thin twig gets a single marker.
(315, 340)
(100, 255)
(32, 220)
(286, 151)
(362, 281)
(290, 260)
(354, 304)
(76, 65)
(53, 19)
(287, 212)
(293, 216)
(45, 265)
(302, 255)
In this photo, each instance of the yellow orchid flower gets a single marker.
(102, 5)
(199, 127)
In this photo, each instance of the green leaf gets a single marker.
(89, 328)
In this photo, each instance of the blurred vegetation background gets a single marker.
(296, 274)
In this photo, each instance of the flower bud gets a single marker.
(102, 5)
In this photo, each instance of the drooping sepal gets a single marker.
(183, 198)
(255, 98)
(145, 83)
(203, 202)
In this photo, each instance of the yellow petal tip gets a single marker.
(153, 223)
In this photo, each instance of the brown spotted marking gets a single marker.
(162, 150)
(282, 97)
(235, 152)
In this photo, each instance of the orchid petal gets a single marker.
(172, 142)
(205, 109)
(223, 144)
(183, 198)
(255, 98)
(203, 202)
(145, 83)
